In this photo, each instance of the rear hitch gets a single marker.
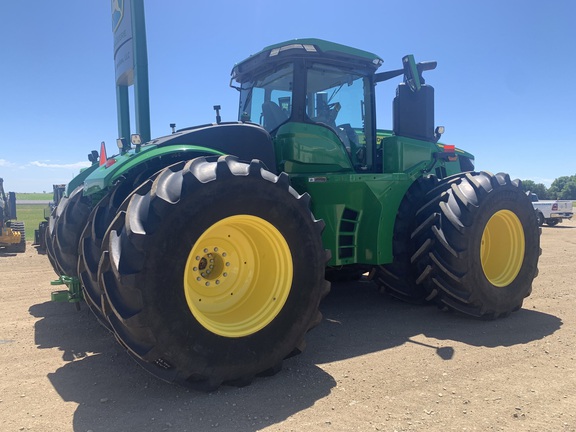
(72, 295)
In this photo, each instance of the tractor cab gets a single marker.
(316, 98)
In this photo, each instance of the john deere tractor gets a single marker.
(12, 233)
(205, 251)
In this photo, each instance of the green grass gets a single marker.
(33, 196)
(31, 215)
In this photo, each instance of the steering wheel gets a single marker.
(327, 114)
(357, 151)
(333, 110)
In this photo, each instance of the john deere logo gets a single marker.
(117, 14)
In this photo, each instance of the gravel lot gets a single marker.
(373, 364)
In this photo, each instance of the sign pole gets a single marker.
(131, 65)
(141, 95)
(123, 111)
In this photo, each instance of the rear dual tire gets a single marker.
(398, 279)
(477, 245)
(65, 227)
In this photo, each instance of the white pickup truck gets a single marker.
(551, 212)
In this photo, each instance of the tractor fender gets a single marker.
(246, 141)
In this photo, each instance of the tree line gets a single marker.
(563, 188)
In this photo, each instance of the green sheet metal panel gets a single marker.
(310, 148)
(359, 211)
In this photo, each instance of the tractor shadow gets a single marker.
(359, 320)
(112, 393)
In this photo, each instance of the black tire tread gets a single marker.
(397, 279)
(64, 230)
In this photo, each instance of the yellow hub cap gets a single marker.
(502, 248)
(238, 276)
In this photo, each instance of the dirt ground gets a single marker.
(373, 364)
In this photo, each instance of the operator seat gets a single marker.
(273, 115)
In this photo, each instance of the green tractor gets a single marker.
(206, 251)
(12, 233)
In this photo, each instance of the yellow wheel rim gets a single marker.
(502, 248)
(238, 276)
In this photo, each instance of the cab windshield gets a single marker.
(335, 98)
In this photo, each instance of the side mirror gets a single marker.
(410, 70)
(411, 75)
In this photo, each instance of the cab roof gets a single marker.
(319, 50)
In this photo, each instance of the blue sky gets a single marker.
(504, 87)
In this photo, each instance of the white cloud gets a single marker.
(75, 165)
(37, 175)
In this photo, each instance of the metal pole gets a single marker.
(123, 111)
(141, 93)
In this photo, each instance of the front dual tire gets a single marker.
(214, 272)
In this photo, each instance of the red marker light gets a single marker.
(110, 162)
(449, 148)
